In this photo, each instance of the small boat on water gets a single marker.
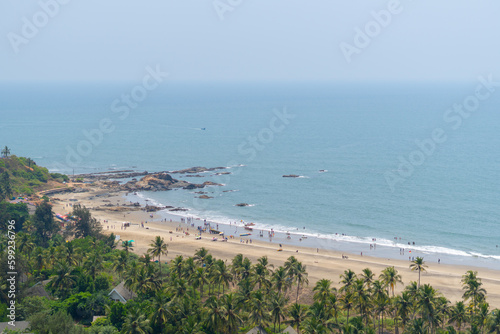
(250, 224)
(248, 228)
(245, 234)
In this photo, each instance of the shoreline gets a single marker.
(385, 248)
(321, 262)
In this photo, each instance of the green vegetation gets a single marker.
(202, 294)
(22, 176)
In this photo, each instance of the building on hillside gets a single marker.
(20, 326)
(289, 330)
(121, 294)
(257, 330)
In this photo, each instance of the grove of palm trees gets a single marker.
(202, 294)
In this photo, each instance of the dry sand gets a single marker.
(323, 264)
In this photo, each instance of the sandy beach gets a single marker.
(320, 263)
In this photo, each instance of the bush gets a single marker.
(60, 322)
(103, 330)
(32, 305)
(117, 314)
(59, 177)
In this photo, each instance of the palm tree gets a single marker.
(322, 291)
(290, 267)
(348, 279)
(200, 255)
(382, 306)
(277, 304)
(199, 279)
(301, 277)
(264, 261)
(131, 275)
(347, 301)
(418, 326)
(178, 288)
(473, 288)
(418, 265)
(213, 316)
(64, 279)
(25, 244)
(494, 322)
(261, 272)
(177, 265)
(244, 293)
(93, 264)
(245, 269)
(190, 325)
(297, 314)
(230, 315)
(259, 312)
(390, 278)
(5, 152)
(127, 246)
(458, 314)
(236, 264)
(223, 274)
(189, 268)
(313, 326)
(333, 304)
(482, 315)
(120, 264)
(39, 258)
(158, 248)
(403, 304)
(427, 303)
(362, 297)
(319, 312)
(280, 280)
(136, 323)
(367, 277)
(159, 314)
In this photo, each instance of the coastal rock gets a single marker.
(122, 174)
(223, 173)
(161, 182)
(178, 209)
(210, 183)
(242, 204)
(204, 197)
(152, 208)
(196, 170)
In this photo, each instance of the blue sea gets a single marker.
(395, 163)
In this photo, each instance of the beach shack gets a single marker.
(121, 294)
(257, 330)
(21, 327)
(289, 330)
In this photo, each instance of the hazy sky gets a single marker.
(271, 40)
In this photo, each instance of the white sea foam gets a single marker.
(296, 233)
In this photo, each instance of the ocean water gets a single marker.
(377, 162)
